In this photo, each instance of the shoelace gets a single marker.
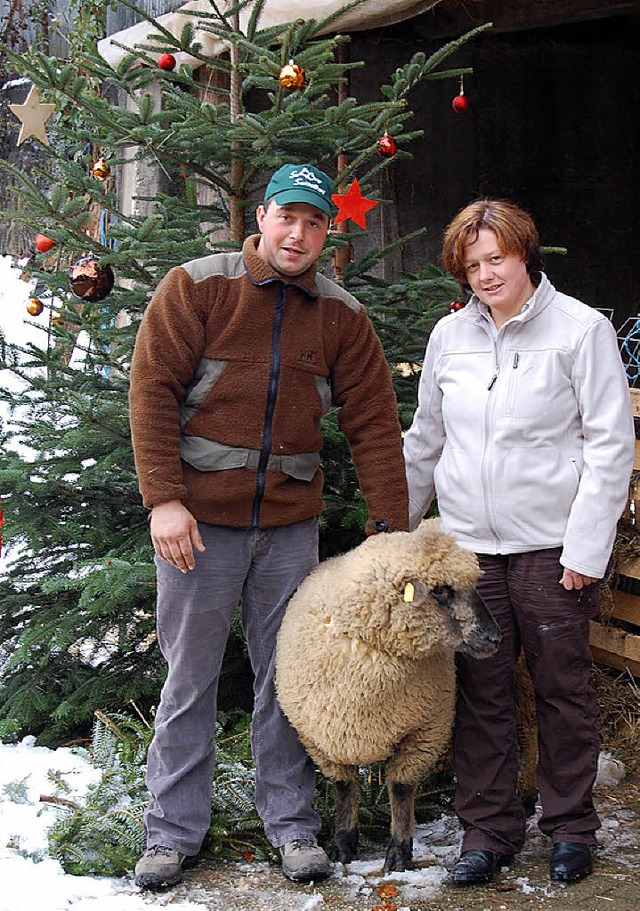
(298, 844)
(161, 850)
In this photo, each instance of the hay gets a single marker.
(618, 715)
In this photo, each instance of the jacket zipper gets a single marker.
(272, 394)
(487, 487)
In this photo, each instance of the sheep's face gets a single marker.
(471, 623)
(405, 594)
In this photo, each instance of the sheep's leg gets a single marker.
(345, 842)
(527, 728)
(400, 850)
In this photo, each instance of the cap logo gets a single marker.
(306, 178)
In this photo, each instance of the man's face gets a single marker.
(292, 236)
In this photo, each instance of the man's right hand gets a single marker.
(174, 533)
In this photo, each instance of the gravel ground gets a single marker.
(258, 886)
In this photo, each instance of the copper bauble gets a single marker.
(90, 280)
(35, 306)
(291, 76)
(101, 169)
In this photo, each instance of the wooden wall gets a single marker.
(553, 125)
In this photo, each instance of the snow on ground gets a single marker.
(31, 878)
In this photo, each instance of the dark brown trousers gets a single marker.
(552, 626)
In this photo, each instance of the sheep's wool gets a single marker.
(365, 673)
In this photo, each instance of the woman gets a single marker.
(524, 433)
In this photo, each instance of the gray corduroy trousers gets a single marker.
(258, 569)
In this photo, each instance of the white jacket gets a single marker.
(525, 435)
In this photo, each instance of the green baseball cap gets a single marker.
(301, 183)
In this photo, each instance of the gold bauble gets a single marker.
(291, 76)
(35, 306)
(101, 169)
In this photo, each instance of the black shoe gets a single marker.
(570, 861)
(478, 866)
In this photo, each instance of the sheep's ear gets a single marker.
(414, 590)
(444, 595)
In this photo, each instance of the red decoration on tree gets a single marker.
(353, 205)
(167, 61)
(460, 103)
(387, 146)
(44, 243)
(454, 306)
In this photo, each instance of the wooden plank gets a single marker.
(635, 403)
(615, 647)
(610, 659)
(636, 456)
(626, 607)
(630, 567)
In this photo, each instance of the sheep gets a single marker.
(365, 667)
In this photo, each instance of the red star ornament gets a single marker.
(353, 204)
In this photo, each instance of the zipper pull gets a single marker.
(493, 380)
(516, 360)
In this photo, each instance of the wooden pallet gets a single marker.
(619, 647)
(612, 645)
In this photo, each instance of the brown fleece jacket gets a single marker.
(281, 352)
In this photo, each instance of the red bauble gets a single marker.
(460, 103)
(387, 146)
(454, 306)
(44, 243)
(167, 62)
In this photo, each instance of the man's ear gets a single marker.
(260, 214)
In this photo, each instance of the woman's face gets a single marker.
(500, 280)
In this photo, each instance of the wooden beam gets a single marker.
(615, 647)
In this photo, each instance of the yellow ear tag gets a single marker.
(409, 592)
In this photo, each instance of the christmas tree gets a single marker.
(77, 600)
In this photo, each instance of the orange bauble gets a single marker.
(291, 76)
(35, 306)
(101, 169)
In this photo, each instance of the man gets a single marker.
(237, 358)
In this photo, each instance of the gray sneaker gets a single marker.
(304, 861)
(161, 866)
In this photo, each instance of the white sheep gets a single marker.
(365, 667)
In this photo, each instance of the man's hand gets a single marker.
(571, 579)
(174, 533)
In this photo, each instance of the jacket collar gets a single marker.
(539, 301)
(261, 273)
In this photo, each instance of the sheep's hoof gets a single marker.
(399, 855)
(345, 845)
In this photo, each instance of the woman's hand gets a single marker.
(571, 579)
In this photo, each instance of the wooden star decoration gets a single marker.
(33, 114)
(353, 205)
